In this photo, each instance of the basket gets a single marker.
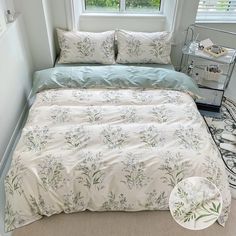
(213, 76)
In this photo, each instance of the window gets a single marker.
(123, 6)
(217, 10)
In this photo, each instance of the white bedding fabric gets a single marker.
(108, 150)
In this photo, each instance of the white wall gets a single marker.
(219, 38)
(6, 5)
(36, 15)
(16, 76)
(186, 15)
(133, 23)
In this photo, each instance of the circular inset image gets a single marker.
(195, 203)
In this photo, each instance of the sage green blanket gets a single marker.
(113, 77)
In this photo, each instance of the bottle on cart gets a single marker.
(190, 69)
(10, 16)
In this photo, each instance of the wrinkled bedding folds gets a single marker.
(117, 76)
(108, 150)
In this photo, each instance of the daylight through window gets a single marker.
(217, 10)
(130, 6)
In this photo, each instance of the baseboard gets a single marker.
(15, 134)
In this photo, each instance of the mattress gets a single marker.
(109, 139)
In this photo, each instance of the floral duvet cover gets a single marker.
(108, 150)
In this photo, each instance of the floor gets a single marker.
(154, 222)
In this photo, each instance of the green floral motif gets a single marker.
(111, 96)
(134, 173)
(85, 47)
(60, 115)
(180, 206)
(189, 139)
(77, 138)
(91, 171)
(81, 95)
(192, 113)
(64, 46)
(114, 137)
(73, 202)
(12, 218)
(142, 96)
(158, 48)
(129, 115)
(213, 171)
(116, 203)
(51, 172)
(160, 114)
(156, 202)
(39, 206)
(13, 180)
(94, 114)
(198, 210)
(48, 96)
(151, 136)
(133, 47)
(178, 209)
(175, 167)
(36, 139)
(170, 97)
(108, 47)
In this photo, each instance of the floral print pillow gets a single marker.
(139, 47)
(86, 47)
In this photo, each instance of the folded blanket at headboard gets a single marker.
(113, 77)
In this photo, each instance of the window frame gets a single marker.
(215, 17)
(122, 11)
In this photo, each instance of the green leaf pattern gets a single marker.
(134, 172)
(51, 173)
(133, 46)
(116, 203)
(136, 47)
(114, 137)
(60, 115)
(90, 171)
(203, 206)
(77, 138)
(175, 168)
(14, 178)
(36, 139)
(155, 201)
(109, 150)
(86, 47)
(151, 136)
(189, 138)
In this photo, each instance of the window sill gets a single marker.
(215, 22)
(214, 19)
(122, 15)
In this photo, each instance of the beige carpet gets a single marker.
(155, 223)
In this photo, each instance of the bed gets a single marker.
(109, 138)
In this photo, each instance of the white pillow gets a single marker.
(139, 47)
(86, 47)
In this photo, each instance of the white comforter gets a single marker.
(108, 150)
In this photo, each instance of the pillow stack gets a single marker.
(133, 47)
